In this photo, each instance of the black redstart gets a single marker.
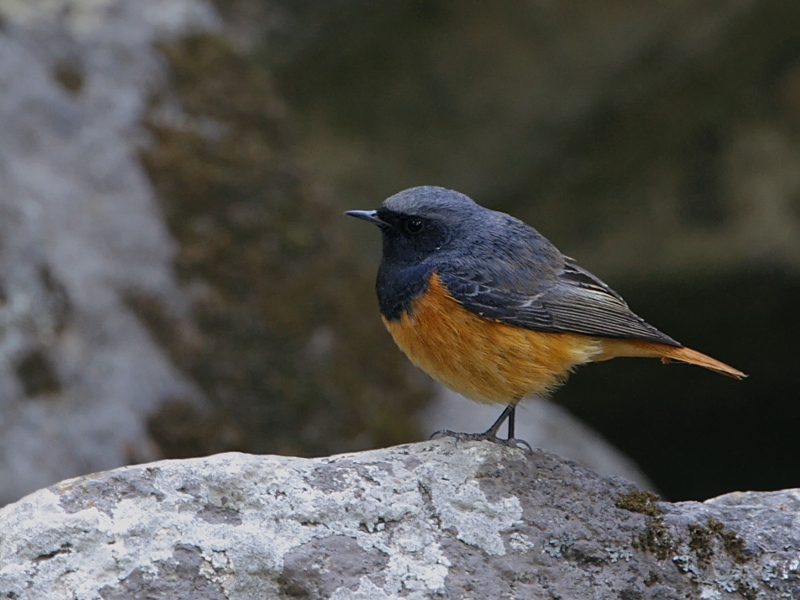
(489, 307)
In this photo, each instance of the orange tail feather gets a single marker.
(694, 357)
(615, 348)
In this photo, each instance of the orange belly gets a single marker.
(485, 360)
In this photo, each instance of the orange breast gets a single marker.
(481, 359)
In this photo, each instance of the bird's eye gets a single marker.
(413, 226)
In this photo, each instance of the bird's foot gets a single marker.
(486, 436)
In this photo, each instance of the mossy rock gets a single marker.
(284, 336)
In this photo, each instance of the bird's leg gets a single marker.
(490, 434)
(508, 413)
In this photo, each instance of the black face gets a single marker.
(407, 239)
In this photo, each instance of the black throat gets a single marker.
(399, 285)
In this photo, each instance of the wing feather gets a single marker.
(572, 301)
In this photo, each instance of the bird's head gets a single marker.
(421, 221)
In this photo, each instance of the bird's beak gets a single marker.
(367, 215)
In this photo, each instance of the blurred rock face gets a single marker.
(281, 339)
(510, 83)
(79, 228)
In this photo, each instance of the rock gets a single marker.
(437, 519)
(79, 372)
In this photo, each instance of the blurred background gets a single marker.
(176, 277)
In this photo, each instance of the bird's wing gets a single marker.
(572, 300)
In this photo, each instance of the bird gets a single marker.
(490, 308)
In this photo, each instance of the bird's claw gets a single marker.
(486, 436)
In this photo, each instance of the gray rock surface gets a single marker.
(80, 230)
(437, 519)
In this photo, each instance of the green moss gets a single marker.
(284, 337)
(640, 502)
(734, 546)
(714, 525)
(732, 542)
(701, 543)
(656, 537)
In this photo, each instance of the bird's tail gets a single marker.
(614, 348)
(693, 357)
